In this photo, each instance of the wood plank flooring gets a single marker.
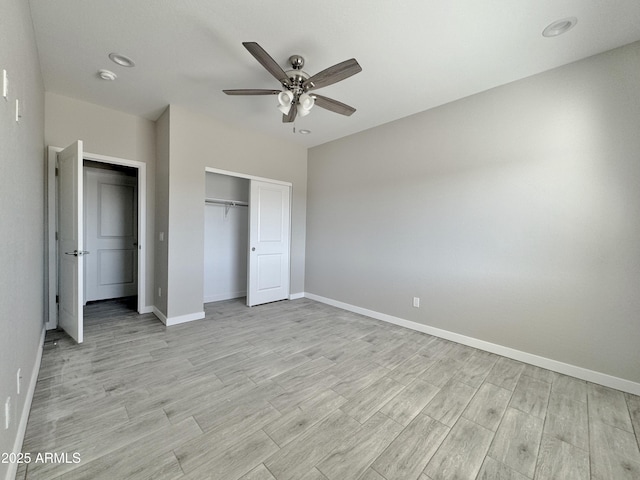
(299, 390)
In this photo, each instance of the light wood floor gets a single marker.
(298, 390)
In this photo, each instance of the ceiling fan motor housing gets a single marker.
(296, 61)
(296, 76)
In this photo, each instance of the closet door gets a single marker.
(269, 233)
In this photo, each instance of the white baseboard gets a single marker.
(169, 321)
(160, 315)
(296, 296)
(26, 409)
(543, 362)
(224, 296)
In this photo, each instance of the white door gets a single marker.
(111, 224)
(70, 245)
(269, 219)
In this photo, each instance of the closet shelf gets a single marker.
(222, 201)
(227, 204)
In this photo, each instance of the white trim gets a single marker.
(161, 316)
(169, 321)
(543, 362)
(52, 245)
(244, 175)
(26, 408)
(52, 320)
(296, 296)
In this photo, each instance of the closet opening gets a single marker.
(247, 238)
(226, 237)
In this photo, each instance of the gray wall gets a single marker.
(21, 214)
(197, 142)
(108, 132)
(513, 214)
(226, 187)
(162, 212)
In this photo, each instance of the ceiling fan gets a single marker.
(294, 98)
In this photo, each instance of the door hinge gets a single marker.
(57, 299)
(56, 171)
(56, 235)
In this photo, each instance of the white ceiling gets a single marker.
(415, 54)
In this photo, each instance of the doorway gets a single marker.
(110, 231)
(134, 169)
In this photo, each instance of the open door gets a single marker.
(269, 225)
(70, 241)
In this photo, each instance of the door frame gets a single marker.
(268, 180)
(52, 222)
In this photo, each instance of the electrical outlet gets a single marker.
(18, 381)
(7, 413)
(159, 291)
(161, 236)
(416, 302)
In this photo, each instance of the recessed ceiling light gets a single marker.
(107, 75)
(122, 60)
(559, 27)
(304, 131)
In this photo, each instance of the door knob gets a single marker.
(253, 249)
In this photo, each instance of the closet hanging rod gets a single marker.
(231, 203)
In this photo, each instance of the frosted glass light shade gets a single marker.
(285, 98)
(305, 102)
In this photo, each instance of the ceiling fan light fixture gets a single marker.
(559, 27)
(305, 103)
(285, 100)
(296, 83)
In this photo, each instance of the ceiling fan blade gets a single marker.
(293, 111)
(251, 91)
(332, 75)
(333, 105)
(267, 62)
